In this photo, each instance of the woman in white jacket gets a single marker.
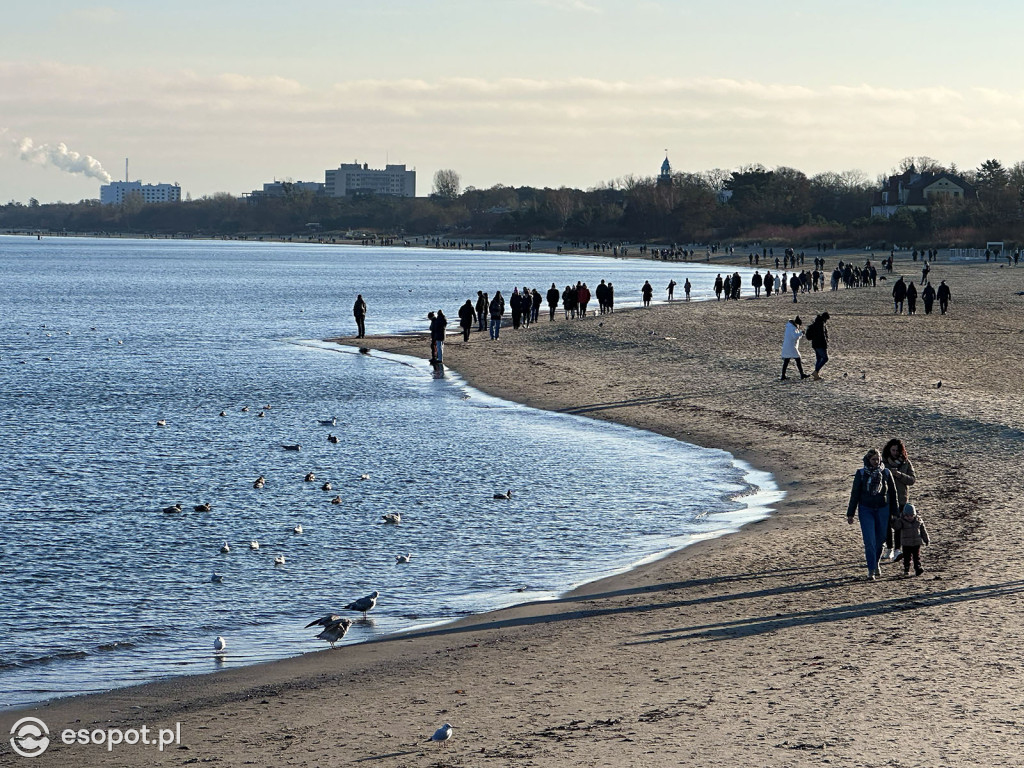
(791, 346)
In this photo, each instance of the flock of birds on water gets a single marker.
(334, 627)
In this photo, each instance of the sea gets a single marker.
(140, 374)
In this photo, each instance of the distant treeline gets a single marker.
(753, 203)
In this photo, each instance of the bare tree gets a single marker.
(447, 184)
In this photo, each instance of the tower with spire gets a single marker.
(665, 177)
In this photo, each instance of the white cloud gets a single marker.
(230, 131)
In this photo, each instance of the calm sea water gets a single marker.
(101, 339)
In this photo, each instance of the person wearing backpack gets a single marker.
(817, 334)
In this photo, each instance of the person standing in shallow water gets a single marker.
(873, 499)
(359, 312)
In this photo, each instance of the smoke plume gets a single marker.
(61, 157)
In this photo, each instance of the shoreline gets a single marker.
(765, 644)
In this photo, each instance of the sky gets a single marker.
(225, 96)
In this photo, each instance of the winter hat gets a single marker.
(797, 320)
(825, 315)
(909, 510)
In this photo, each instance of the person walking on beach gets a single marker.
(943, 296)
(757, 281)
(553, 297)
(899, 295)
(910, 525)
(497, 309)
(647, 292)
(686, 288)
(359, 312)
(583, 298)
(817, 334)
(928, 297)
(791, 346)
(734, 284)
(873, 500)
(515, 304)
(911, 299)
(467, 314)
(611, 297)
(794, 285)
(895, 459)
(769, 283)
(719, 285)
(671, 289)
(482, 305)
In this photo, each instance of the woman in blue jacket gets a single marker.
(874, 499)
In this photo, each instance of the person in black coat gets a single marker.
(482, 305)
(515, 306)
(817, 334)
(943, 296)
(899, 295)
(467, 314)
(553, 296)
(359, 312)
(911, 298)
(928, 296)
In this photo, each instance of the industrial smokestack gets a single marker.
(63, 158)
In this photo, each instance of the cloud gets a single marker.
(233, 130)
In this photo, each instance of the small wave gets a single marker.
(67, 655)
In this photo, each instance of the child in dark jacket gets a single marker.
(913, 532)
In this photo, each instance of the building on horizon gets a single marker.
(917, 191)
(117, 192)
(281, 189)
(355, 179)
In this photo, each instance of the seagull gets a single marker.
(172, 509)
(310, 477)
(260, 482)
(402, 559)
(393, 518)
(295, 447)
(279, 560)
(254, 545)
(331, 422)
(216, 578)
(162, 423)
(335, 628)
(442, 734)
(333, 439)
(220, 644)
(363, 604)
(504, 496)
(225, 549)
(365, 476)
(297, 529)
(204, 507)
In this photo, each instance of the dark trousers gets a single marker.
(820, 358)
(361, 326)
(799, 366)
(892, 537)
(465, 332)
(914, 552)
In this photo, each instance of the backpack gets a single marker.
(813, 332)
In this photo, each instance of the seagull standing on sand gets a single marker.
(220, 644)
(363, 604)
(334, 626)
(442, 735)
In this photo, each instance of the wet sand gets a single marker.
(765, 647)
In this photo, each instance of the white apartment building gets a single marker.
(355, 179)
(117, 192)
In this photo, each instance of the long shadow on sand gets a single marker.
(738, 627)
(756, 626)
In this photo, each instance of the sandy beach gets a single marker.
(766, 647)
